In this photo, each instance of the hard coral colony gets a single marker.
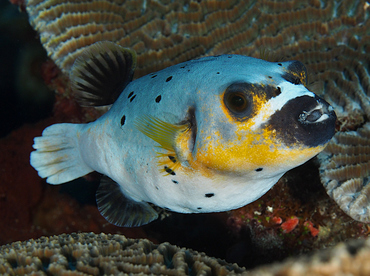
(331, 38)
(92, 254)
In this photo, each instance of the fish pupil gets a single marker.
(237, 102)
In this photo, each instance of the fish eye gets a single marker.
(236, 102)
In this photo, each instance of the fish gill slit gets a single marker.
(169, 161)
(193, 128)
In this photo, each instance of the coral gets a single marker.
(98, 254)
(345, 171)
(289, 225)
(164, 33)
(349, 258)
(92, 254)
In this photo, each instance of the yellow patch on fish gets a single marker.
(255, 151)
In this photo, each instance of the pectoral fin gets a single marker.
(167, 135)
(120, 210)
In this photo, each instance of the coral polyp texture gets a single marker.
(92, 254)
(164, 33)
(349, 258)
(345, 172)
(106, 254)
(332, 38)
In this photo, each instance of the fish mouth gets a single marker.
(321, 112)
(305, 120)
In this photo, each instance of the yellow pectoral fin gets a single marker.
(165, 134)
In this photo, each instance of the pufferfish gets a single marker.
(207, 135)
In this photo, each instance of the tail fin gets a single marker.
(57, 155)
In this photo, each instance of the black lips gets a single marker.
(298, 122)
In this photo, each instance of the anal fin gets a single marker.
(120, 210)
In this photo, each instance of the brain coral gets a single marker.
(350, 258)
(92, 254)
(345, 171)
(331, 37)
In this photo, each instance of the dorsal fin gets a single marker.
(101, 72)
(120, 210)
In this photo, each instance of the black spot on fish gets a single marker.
(199, 208)
(168, 79)
(173, 159)
(259, 169)
(129, 95)
(209, 195)
(174, 181)
(123, 119)
(133, 97)
(156, 187)
(269, 77)
(218, 73)
(280, 64)
(153, 76)
(188, 70)
(182, 67)
(168, 170)
(158, 99)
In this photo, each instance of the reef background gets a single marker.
(296, 216)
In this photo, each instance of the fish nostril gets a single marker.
(314, 116)
(321, 112)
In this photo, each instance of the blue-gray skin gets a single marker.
(207, 135)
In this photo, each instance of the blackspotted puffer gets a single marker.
(207, 135)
